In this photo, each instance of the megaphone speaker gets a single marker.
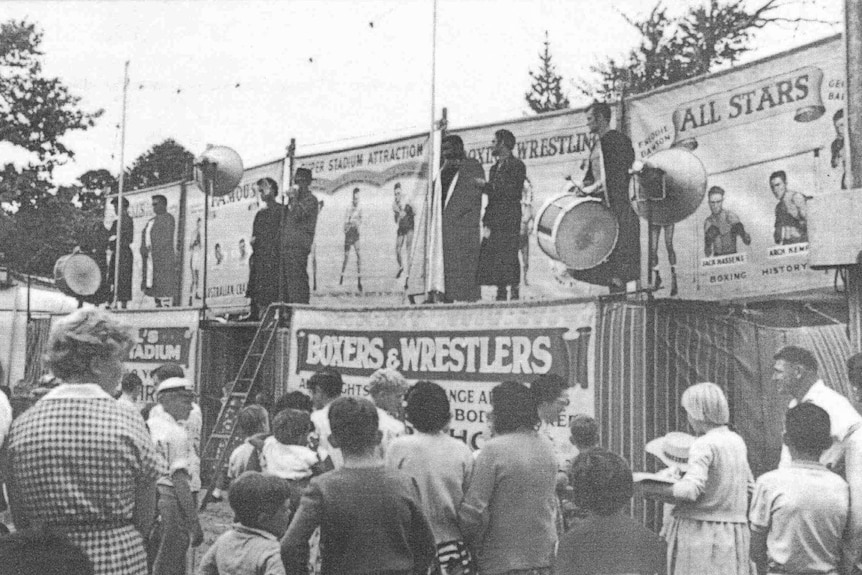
(218, 170)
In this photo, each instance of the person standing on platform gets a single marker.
(501, 224)
(300, 221)
(264, 272)
(608, 178)
(127, 236)
(462, 180)
(158, 258)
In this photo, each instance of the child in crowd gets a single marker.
(294, 400)
(286, 454)
(440, 465)
(42, 551)
(252, 420)
(584, 432)
(261, 504)
(708, 531)
(370, 518)
(799, 513)
(508, 512)
(607, 540)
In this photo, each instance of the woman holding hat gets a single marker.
(79, 460)
(708, 531)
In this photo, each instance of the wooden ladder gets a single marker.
(224, 437)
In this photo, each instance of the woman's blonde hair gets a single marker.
(83, 335)
(706, 402)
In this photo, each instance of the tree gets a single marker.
(36, 111)
(163, 163)
(704, 38)
(95, 186)
(546, 93)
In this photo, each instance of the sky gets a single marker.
(331, 73)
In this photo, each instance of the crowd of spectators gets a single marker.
(335, 484)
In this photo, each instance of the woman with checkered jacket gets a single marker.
(79, 460)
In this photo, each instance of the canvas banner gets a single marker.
(229, 241)
(769, 140)
(367, 234)
(467, 350)
(164, 336)
(156, 273)
(555, 149)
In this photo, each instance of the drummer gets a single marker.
(608, 179)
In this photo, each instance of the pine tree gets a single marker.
(546, 92)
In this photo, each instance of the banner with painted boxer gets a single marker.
(367, 232)
(770, 135)
(467, 350)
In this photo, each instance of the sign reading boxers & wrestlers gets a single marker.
(466, 350)
(766, 134)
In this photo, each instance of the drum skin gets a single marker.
(77, 275)
(579, 232)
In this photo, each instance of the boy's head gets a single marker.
(44, 551)
(807, 429)
(131, 384)
(601, 482)
(294, 400)
(427, 407)
(261, 501)
(354, 424)
(584, 432)
(166, 371)
(252, 419)
(325, 385)
(291, 427)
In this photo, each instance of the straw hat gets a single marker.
(672, 449)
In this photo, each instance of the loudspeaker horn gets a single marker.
(218, 170)
(668, 186)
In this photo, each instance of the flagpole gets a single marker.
(119, 210)
(432, 169)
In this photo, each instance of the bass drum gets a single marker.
(579, 232)
(77, 275)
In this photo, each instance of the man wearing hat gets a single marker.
(178, 520)
(300, 220)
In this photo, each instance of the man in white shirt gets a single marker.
(795, 374)
(178, 520)
(325, 387)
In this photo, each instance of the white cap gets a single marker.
(175, 384)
